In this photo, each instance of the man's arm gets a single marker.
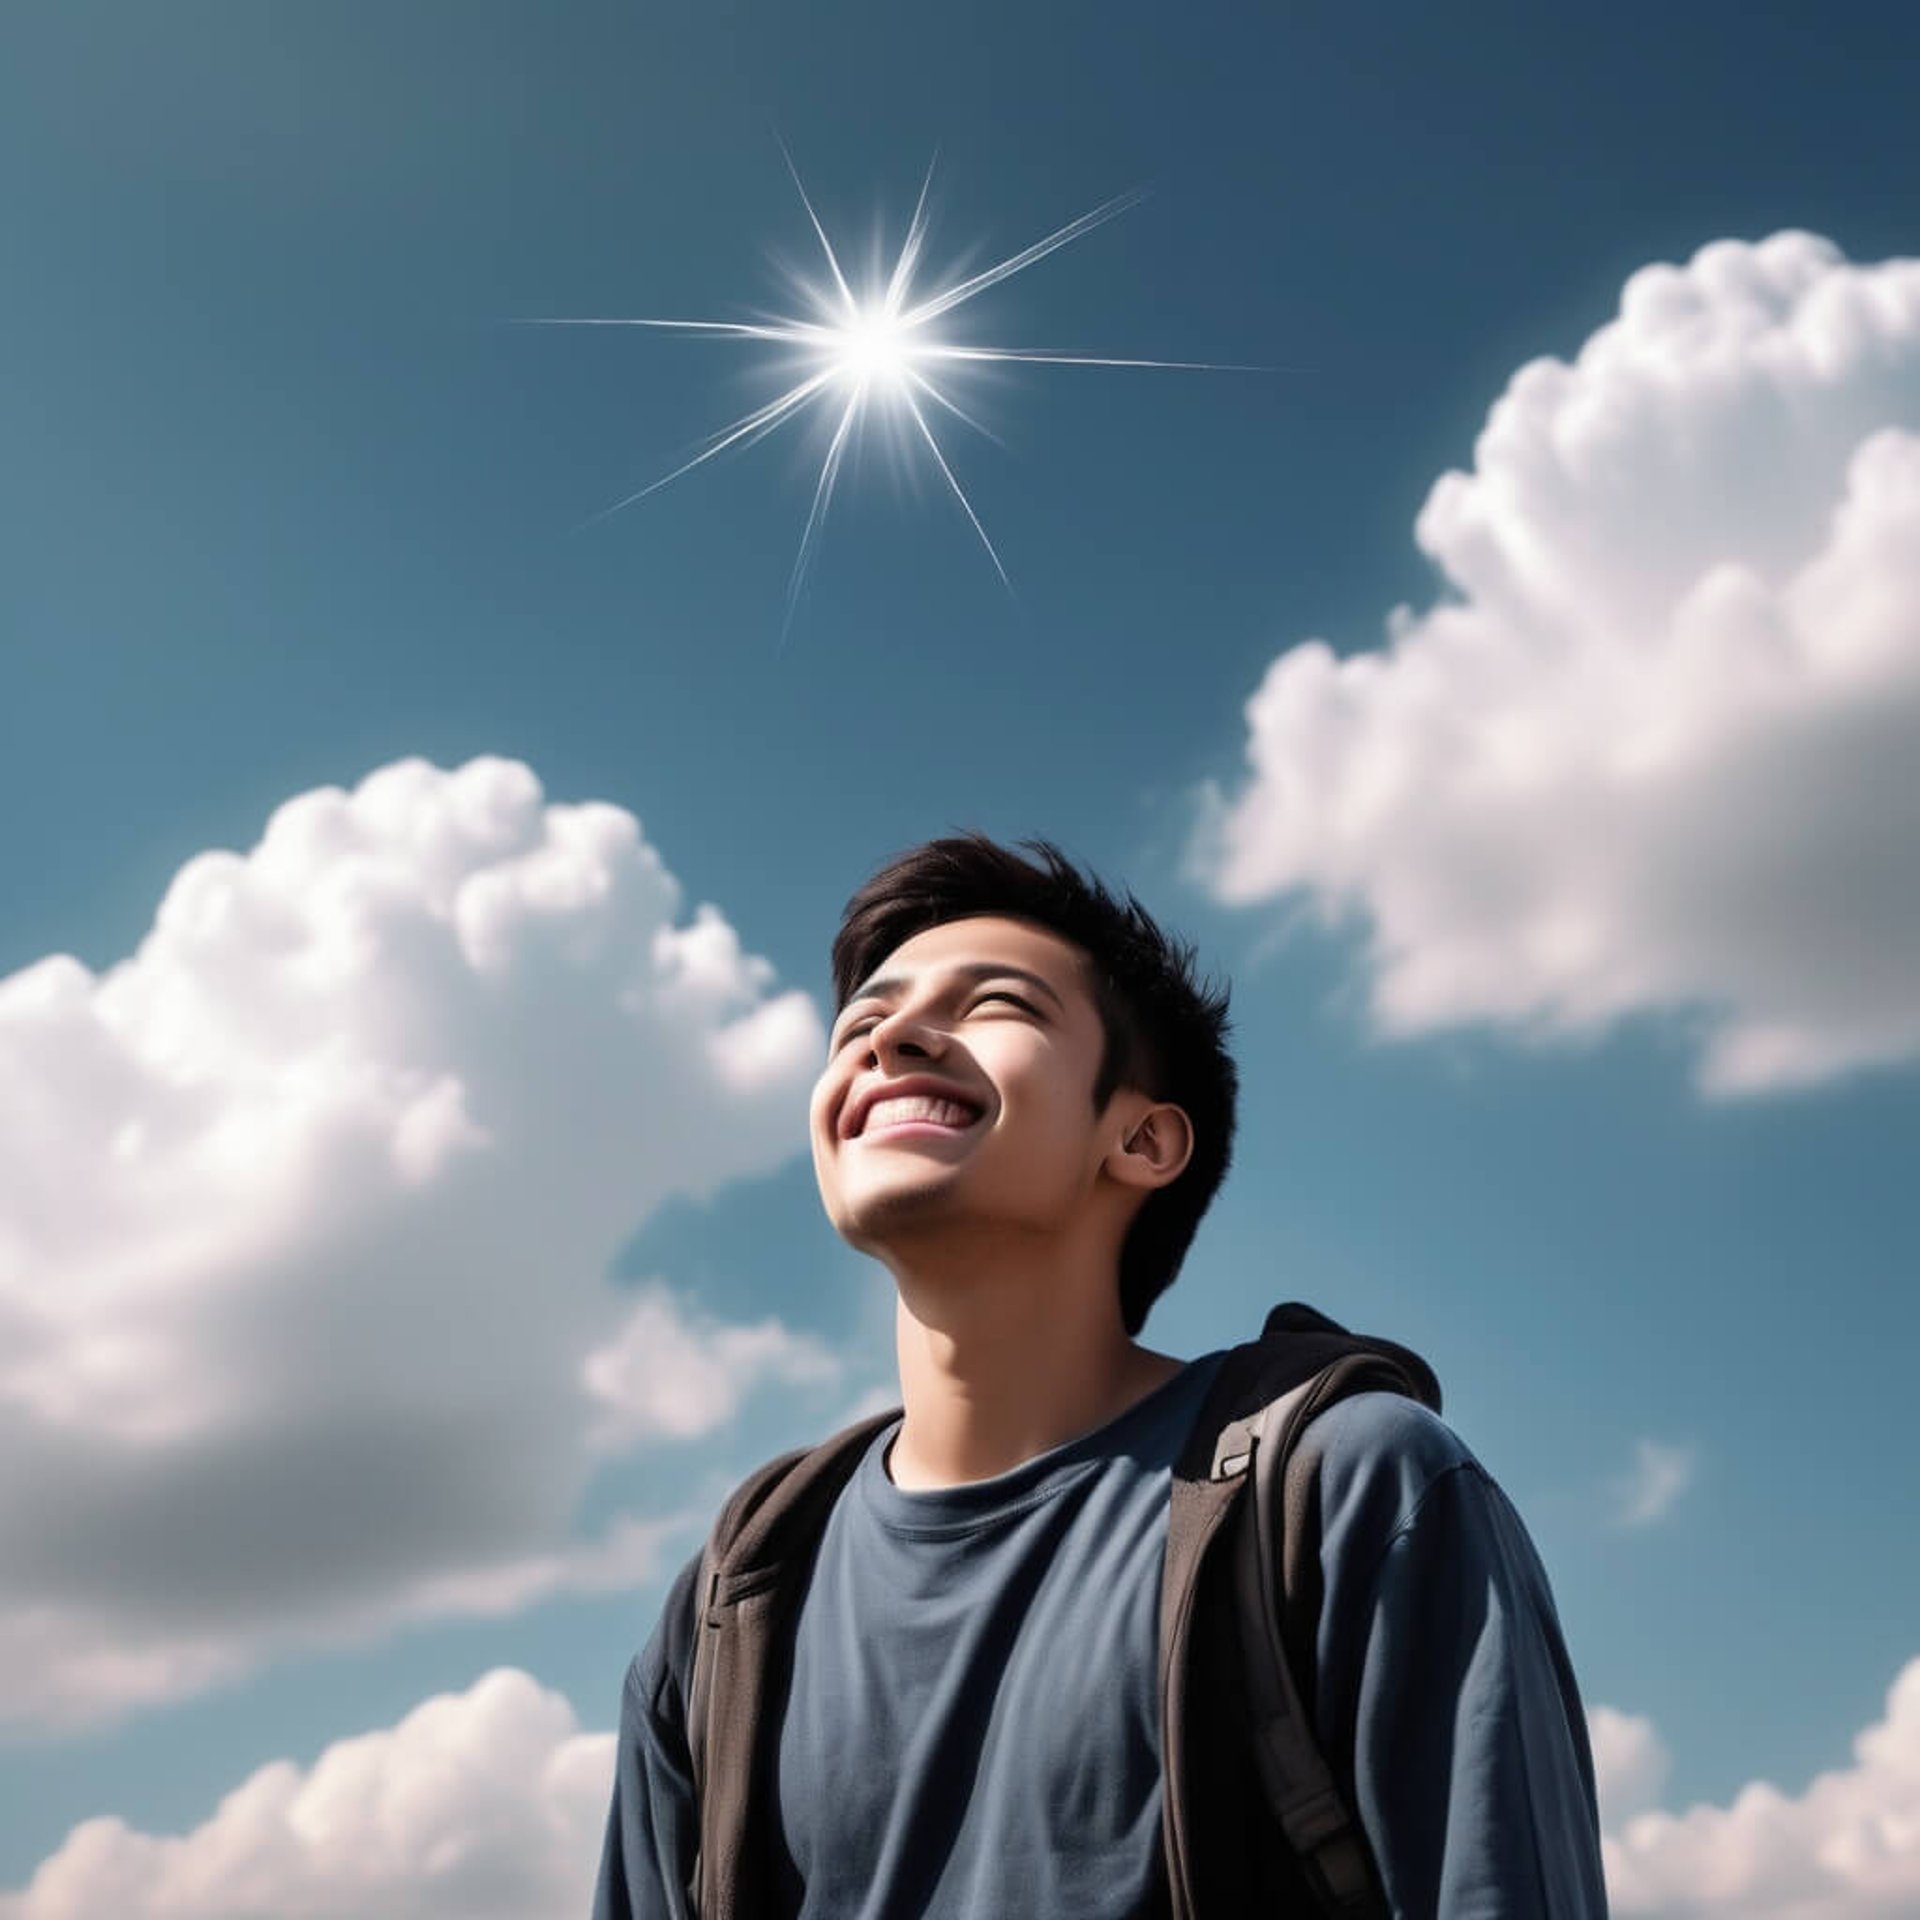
(653, 1828)
(1446, 1698)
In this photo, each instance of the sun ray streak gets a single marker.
(909, 258)
(1026, 257)
(1047, 357)
(878, 350)
(826, 246)
(799, 333)
(751, 429)
(822, 499)
(959, 492)
(953, 406)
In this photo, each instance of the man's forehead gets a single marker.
(980, 943)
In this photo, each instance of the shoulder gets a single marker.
(1375, 1429)
(789, 1476)
(1401, 1499)
(1380, 1461)
(1442, 1691)
(658, 1675)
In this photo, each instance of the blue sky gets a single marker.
(392, 1283)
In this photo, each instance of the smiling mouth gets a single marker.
(918, 1113)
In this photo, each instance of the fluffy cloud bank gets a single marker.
(486, 1805)
(1653, 750)
(305, 1216)
(1848, 1848)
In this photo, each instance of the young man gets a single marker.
(1027, 1106)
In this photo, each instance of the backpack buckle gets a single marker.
(1233, 1451)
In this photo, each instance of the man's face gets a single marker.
(958, 1088)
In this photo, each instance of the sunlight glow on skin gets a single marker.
(880, 346)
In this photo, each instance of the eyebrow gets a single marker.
(971, 974)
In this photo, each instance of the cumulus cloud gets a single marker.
(663, 1376)
(1661, 1474)
(306, 1211)
(1652, 750)
(1848, 1848)
(486, 1805)
(1630, 1764)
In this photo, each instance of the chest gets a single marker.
(971, 1722)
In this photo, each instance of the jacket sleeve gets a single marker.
(1445, 1695)
(653, 1827)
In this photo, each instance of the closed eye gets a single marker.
(869, 1021)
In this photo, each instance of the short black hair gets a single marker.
(1165, 1029)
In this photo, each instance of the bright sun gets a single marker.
(874, 351)
(882, 346)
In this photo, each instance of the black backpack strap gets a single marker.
(1299, 1784)
(751, 1570)
(1246, 1440)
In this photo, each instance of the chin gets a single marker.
(869, 1218)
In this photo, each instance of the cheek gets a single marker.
(1048, 1118)
(826, 1091)
(822, 1125)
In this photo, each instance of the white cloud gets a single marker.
(1661, 1474)
(486, 1805)
(1630, 1764)
(1848, 1848)
(662, 1375)
(1654, 749)
(305, 1216)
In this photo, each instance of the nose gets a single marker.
(903, 1035)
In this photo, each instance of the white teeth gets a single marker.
(916, 1106)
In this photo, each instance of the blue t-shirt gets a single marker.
(971, 1726)
(974, 1700)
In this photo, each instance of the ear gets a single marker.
(1155, 1145)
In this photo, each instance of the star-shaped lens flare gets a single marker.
(880, 350)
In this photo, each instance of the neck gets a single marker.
(1008, 1353)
